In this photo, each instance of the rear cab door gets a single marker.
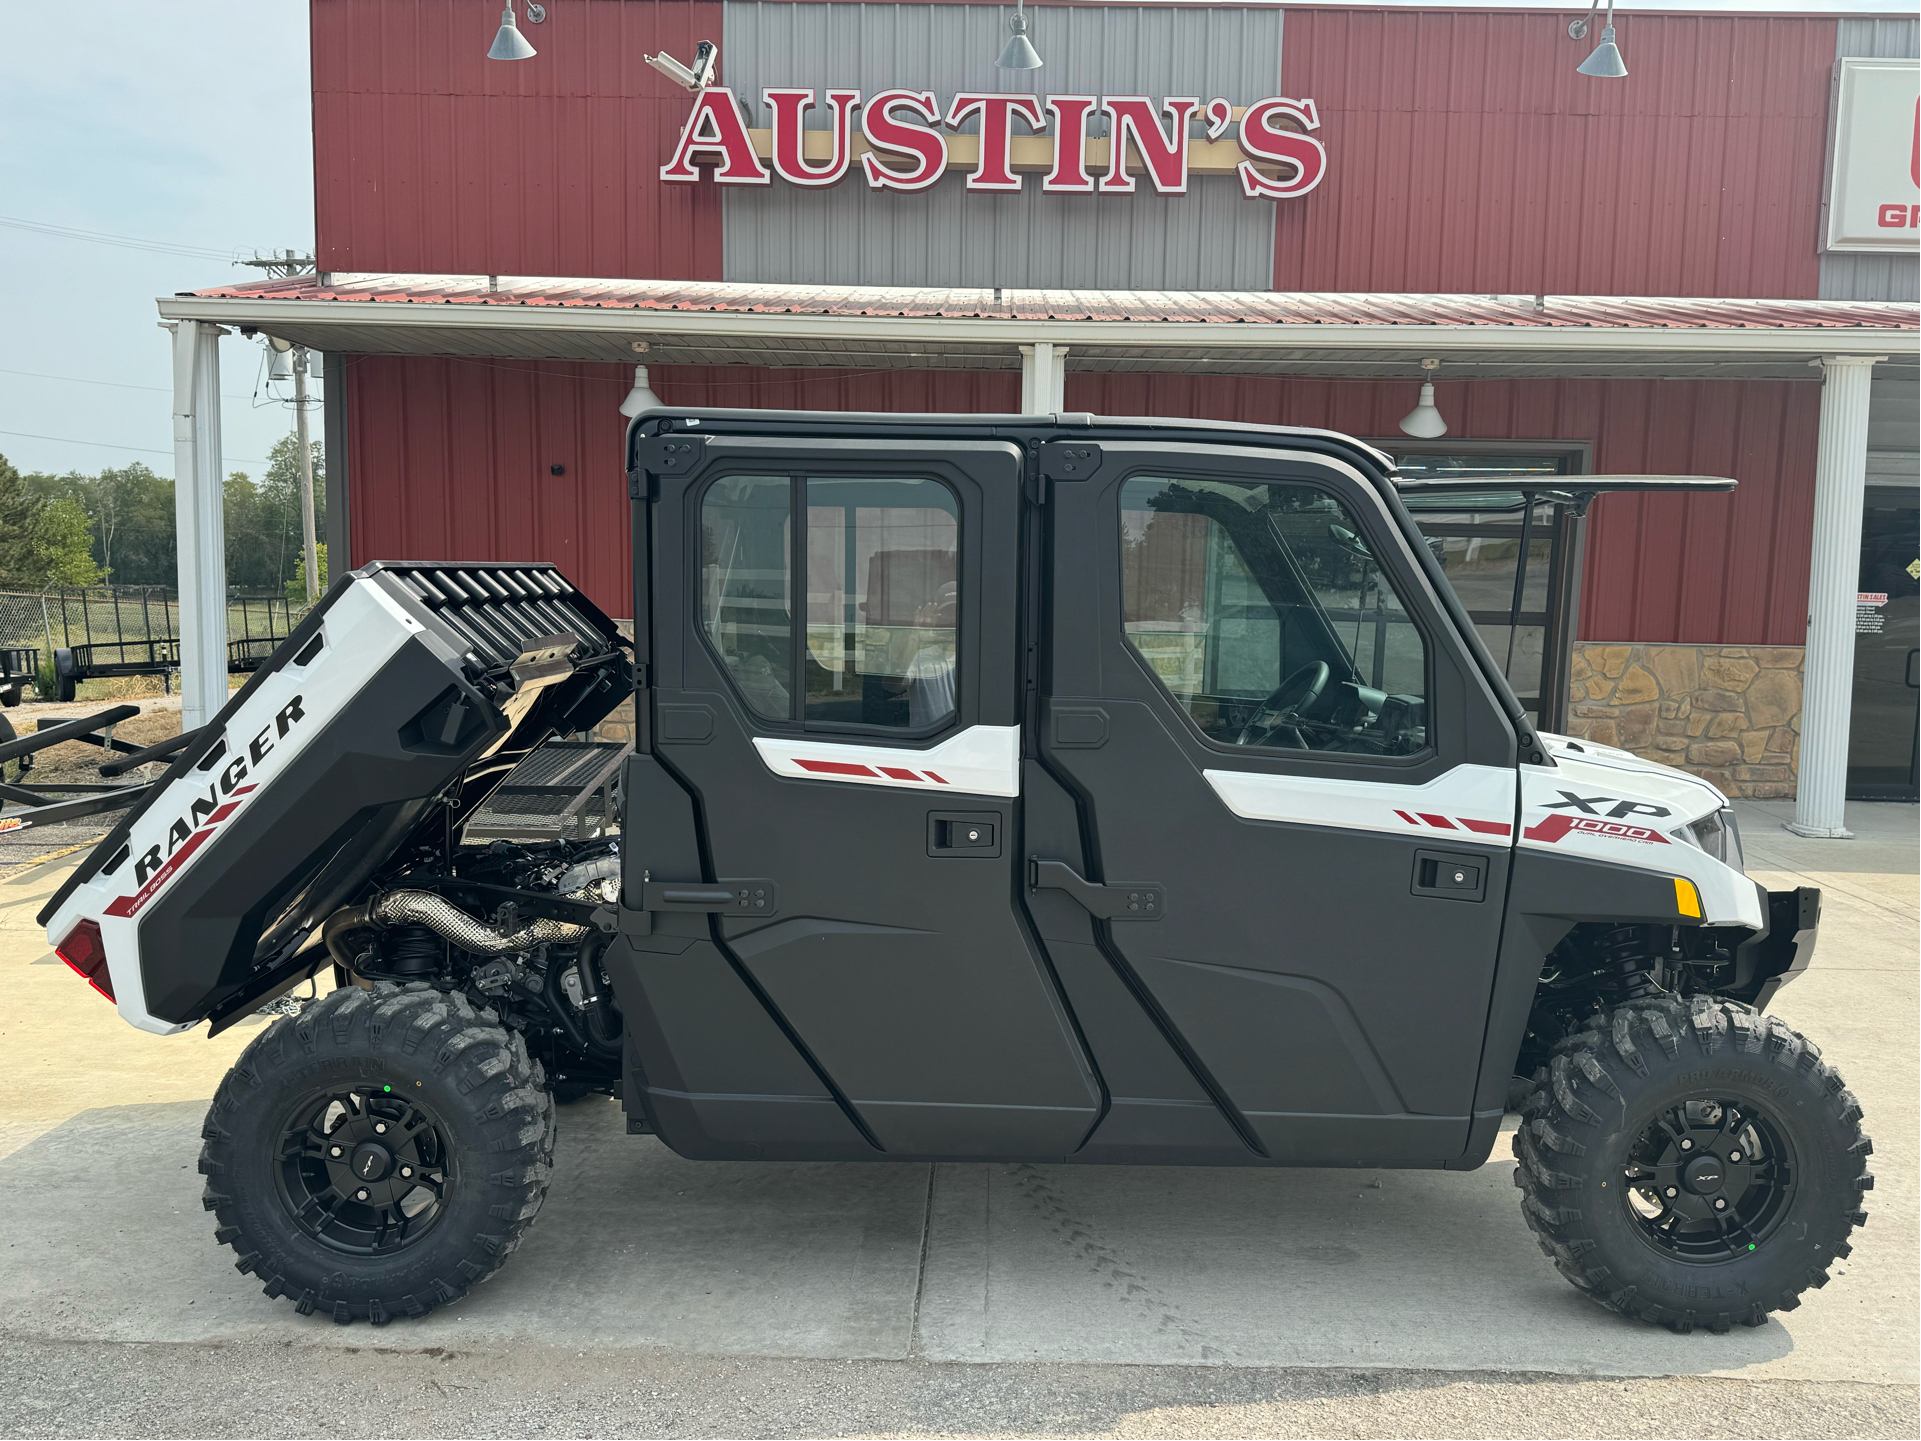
(836, 708)
(1271, 732)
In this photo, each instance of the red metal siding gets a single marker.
(1466, 154)
(450, 460)
(430, 158)
(1710, 570)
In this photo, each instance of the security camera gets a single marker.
(706, 59)
(706, 63)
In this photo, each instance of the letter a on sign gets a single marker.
(716, 131)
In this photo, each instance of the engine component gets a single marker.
(595, 873)
(398, 908)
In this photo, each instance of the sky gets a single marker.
(186, 125)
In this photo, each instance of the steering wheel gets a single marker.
(1276, 722)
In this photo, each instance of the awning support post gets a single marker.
(1043, 378)
(1827, 677)
(199, 521)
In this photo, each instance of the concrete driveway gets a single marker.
(962, 1299)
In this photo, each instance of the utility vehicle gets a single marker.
(1047, 789)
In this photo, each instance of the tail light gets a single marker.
(86, 953)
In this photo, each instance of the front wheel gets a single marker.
(379, 1153)
(1691, 1163)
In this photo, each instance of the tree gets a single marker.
(63, 544)
(297, 587)
(280, 498)
(43, 542)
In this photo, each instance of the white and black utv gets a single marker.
(1051, 789)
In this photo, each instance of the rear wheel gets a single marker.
(379, 1153)
(1691, 1163)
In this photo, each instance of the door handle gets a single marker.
(733, 898)
(1139, 901)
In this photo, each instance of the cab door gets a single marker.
(1298, 796)
(837, 691)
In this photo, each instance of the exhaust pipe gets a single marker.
(424, 908)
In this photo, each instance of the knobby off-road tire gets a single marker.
(1623, 1094)
(312, 1131)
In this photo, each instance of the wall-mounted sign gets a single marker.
(1874, 157)
(904, 140)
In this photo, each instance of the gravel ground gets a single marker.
(75, 761)
(56, 1389)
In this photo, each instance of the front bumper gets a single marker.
(1771, 958)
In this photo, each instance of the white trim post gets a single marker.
(199, 521)
(1043, 377)
(1834, 577)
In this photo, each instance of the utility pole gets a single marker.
(307, 536)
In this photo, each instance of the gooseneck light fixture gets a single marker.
(1424, 421)
(641, 397)
(1020, 53)
(1606, 61)
(509, 43)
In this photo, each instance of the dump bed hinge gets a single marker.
(1139, 901)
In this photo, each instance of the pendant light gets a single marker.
(1424, 421)
(1606, 61)
(641, 397)
(1020, 53)
(509, 43)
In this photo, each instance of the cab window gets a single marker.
(868, 637)
(1262, 611)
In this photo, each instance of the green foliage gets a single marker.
(65, 544)
(44, 541)
(127, 516)
(297, 587)
(264, 537)
(46, 681)
(130, 519)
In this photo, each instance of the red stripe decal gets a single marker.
(1408, 818)
(935, 779)
(127, 906)
(835, 768)
(130, 905)
(898, 774)
(1487, 828)
(1441, 822)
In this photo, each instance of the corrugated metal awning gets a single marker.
(683, 322)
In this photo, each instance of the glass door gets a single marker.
(1882, 728)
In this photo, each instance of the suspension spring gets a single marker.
(1630, 967)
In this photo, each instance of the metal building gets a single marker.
(498, 249)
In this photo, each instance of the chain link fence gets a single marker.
(122, 619)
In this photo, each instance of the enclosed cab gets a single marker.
(1050, 789)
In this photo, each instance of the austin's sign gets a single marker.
(903, 140)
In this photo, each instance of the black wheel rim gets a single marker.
(1709, 1179)
(364, 1170)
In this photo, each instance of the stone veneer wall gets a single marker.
(1731, 714)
